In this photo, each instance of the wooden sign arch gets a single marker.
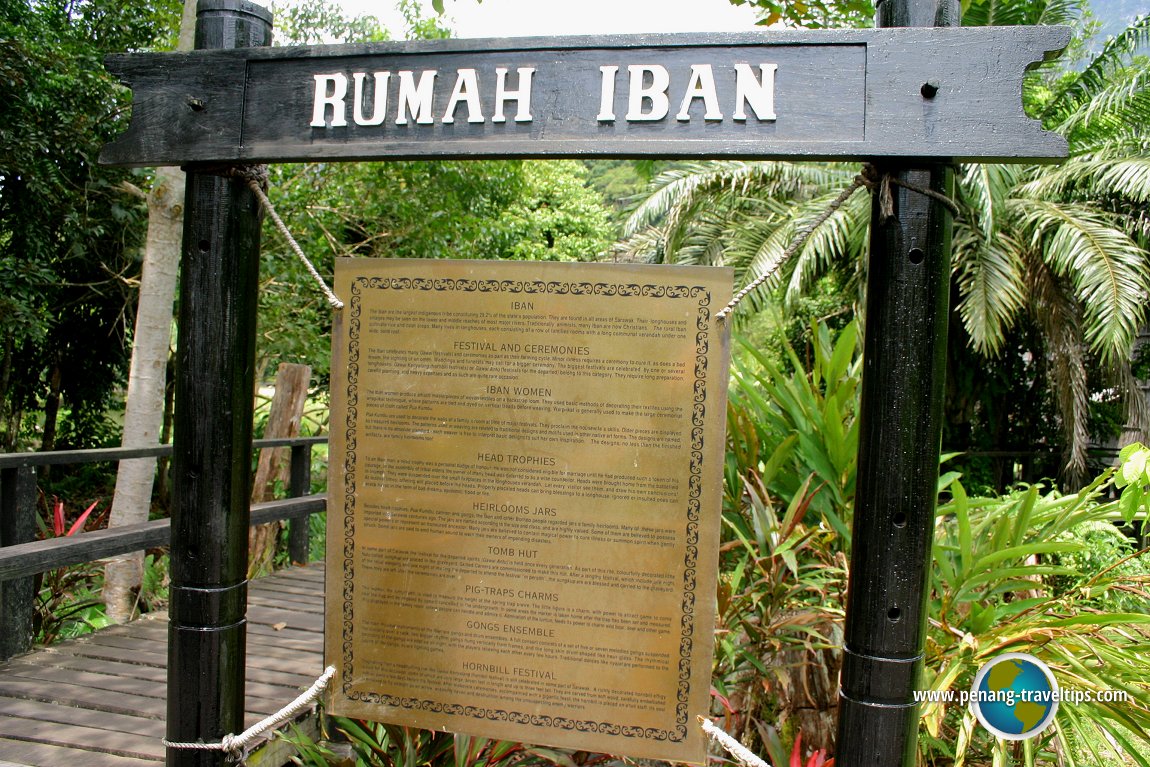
(912, 99)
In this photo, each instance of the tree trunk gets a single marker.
(8, 437)
(51, 411)
(283, 421)
(147, 375)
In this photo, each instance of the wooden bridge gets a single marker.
(102, 699)
(99, 701)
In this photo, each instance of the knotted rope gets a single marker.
(237, 746)
(870, 177)
(256, 177)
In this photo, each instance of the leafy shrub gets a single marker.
(1001, 565)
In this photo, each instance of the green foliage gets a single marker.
(1134, 480)
(813, 14)
(323, 21)
(817, 14)
(1050, 267)
(788, 499)
(1031, 571)
(1105, 550)
(450, 209)
(557, 218)
(1004, 407)
(154, 584)
(67, 598)
(788, 429)
(385, 745)
(620, 183)
(69, 229)
(68, 603)
(1002, 565)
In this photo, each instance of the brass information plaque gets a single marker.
(525, 499)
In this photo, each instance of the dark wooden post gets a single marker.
(212, 446)
(299, 485)
(904, 371)
(17, 525)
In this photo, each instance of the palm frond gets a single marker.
(1109, 271)
(842, 237)
(1104, 175)
(702, 243)
(1137, 404)
(644, 245)
(1095, 77)
(1059, 12)
(666, 190)
(760, 252)
(1004, 13)
(990, 285)
(1121, 106)
(984, 188)
(1055, 312)
(717, 180)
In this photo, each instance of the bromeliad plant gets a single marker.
(68, 598)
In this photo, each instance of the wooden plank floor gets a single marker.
(100, 700)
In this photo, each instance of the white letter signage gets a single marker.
(830, 94)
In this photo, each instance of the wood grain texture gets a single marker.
(17, 527)
(99, 700)
(840, 94)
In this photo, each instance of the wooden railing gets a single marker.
(22, 556)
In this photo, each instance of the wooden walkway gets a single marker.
(100, 700)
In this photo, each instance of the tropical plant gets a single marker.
(69, 229)
(997, 563)
(792, 443)
(1025, 572)
(375, 744)
(813, 14)
(787, 427)
(1133, 480)
(67, 598)
(538, 210)
(816, 759)
(1060, 250)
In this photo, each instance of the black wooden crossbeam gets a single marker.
(843, 94)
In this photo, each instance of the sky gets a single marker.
(524, 18)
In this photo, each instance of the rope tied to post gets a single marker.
(256, 177)
(237, 746)
(874, 180)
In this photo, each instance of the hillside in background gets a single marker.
(1116, 15)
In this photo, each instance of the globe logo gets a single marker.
(1014, 696)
